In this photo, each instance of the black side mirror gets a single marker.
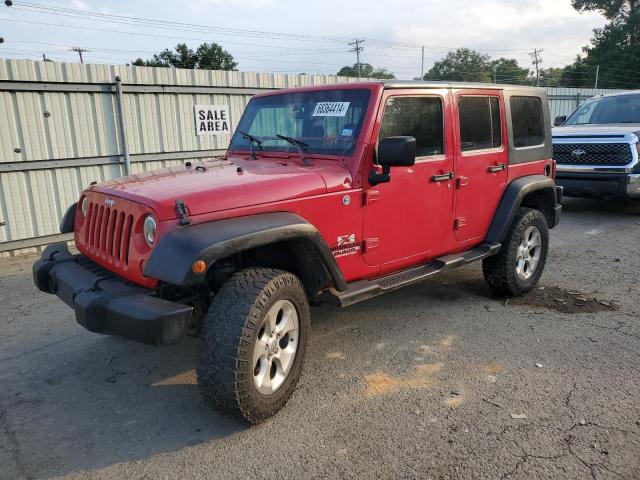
(393, 152)
(559, 120)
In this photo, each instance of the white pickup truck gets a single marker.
(597, 147)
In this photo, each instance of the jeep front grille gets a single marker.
(617, 154)
(107, 233)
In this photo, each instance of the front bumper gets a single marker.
(621, 185)
(105, 303)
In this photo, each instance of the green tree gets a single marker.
(466, 65)
(208, 56)
(615, 48)
(507, 70)
(463, 65)
(553, 77)
(366, 71)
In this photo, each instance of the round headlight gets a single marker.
(150, 227)
(84, 206)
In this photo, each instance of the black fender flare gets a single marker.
(512, 199)
(172, 258)
(68, 222)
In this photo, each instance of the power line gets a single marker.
(155, 23)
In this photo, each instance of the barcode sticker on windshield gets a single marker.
(331, 109)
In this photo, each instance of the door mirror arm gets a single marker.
(376, 178)
(393, 152)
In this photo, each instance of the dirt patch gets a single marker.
(380, 383)
(565, 301)
(335, 356)
(454, 402)
(493, 368)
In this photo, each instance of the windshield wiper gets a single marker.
(300, 145)
(251, 140)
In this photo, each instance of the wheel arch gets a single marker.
(533, 191)
(270, 236)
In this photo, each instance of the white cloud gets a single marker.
(498, 27)
(204, 5)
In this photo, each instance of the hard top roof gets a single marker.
(447, 84)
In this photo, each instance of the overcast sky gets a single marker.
(509, 28)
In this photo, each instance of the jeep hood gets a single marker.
(217, 185)
(597, 129)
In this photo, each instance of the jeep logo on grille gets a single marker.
(578, 153)
(110, 202)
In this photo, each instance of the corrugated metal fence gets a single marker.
(61, 127)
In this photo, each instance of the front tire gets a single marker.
(253, 343)
(518, 266)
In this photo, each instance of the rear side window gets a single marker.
(480, 125)
(419, 117)
(528, 121)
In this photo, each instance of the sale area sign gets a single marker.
(212, 120)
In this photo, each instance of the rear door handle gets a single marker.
(443, 178)
(497, 168)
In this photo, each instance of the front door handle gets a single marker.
(497, 168)
(443, 177)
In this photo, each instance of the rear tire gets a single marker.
(518, 266)
(253, 343)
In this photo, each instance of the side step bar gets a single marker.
(365, 289)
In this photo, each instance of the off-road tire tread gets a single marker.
(499, 271)
(228, 330)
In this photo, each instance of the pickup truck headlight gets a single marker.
(84, 207)
(150, 227)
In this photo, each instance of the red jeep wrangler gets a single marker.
(348, 190)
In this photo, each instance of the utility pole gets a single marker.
(495, 68)
(537, 60)
(358, 48)
(422, 67)
(80, 52)
(597, 75)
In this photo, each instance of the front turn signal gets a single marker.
(199, 266)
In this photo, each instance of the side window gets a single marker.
(528, 121)
(419, 117)
(480, 124)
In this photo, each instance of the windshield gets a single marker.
(327, 121)
(615, 109)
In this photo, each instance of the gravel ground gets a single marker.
(438, 380)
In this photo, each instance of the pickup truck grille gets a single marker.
(108, 233)
(618, 154)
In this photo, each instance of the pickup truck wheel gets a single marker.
(253, 343)
(518, 266)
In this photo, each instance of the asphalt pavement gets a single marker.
(438, 380)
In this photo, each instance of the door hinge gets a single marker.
(371, 196)
(370, 243)
(462, 182)
(459, 223)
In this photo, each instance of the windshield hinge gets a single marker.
(183, 213)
